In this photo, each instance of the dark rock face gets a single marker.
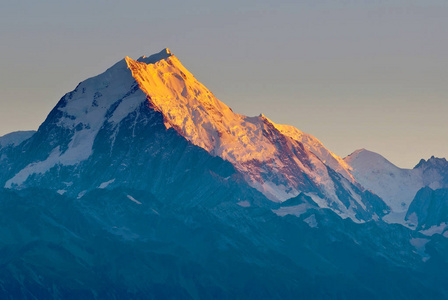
(429, 208)
(434, 170)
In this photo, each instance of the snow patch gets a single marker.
(34, 168)
(244, 203)
(296, 210)
(399, 218)
(311, 221)
(79, 149)
(81, 194)
(420, 247)
(274, 192)
(106, 184)
(436, 229)
(133, 199)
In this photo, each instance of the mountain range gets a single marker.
(141, 184)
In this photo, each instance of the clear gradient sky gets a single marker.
(355, 74)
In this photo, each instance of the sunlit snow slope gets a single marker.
(279, 161)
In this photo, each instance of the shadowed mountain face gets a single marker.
(429, 211)
(108, 246)
(140, 184)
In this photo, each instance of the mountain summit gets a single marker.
(278, 160)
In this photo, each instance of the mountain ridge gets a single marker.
(401, 189)
(277, 160)
(247, 142)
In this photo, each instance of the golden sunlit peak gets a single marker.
(152, 59)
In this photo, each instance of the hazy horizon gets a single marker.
(353, 74)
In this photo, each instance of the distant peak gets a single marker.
(15, 138)
(365, 155)
(359, 151)
(432, 161)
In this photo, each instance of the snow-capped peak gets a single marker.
(194, 112)
(278, 160)
(369, 160)
(396, 186)
(164, 54)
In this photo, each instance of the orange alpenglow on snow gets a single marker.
(247, 142)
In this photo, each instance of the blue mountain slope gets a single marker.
(108, 246)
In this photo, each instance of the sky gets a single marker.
(355, 74)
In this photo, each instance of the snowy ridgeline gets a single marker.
(279, 161)
(397, 187)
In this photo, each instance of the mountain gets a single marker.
(434, 172)
(15, 138)
(429, 211)
(279, 161)
(140, 184)
(128, 244)
(398, 187)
